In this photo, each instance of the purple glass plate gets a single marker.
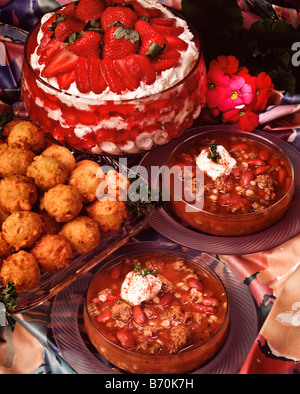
(172, 228)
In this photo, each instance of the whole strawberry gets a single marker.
(64, 26)
(120, 41)
(153, 43)
(122, 14)
(87, 44)
(89, 10)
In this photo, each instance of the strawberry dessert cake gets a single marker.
(113, 77)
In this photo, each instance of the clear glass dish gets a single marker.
(231, 224)
(52, 284)
(184, 361)
(165, 222)
(76, 348)
(148, 122)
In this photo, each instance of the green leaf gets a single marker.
(218, 16)
(127, 33)
(140, 206)
(155, 50)
(143, 272)
(220, 24)
(72, 37)
(9, 297)
(214, 155)
(284, 80)
(268, 34)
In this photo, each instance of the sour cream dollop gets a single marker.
(137, 288)
(215, 169)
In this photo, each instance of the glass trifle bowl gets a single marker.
(119, 123)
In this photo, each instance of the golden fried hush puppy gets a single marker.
(53, 252)
(5, 248)
(15, 161)
(47, 172)
(108, 214)
(82, 233)
(3, 216)
(62, 202)
(22, 269)
(50, 225)
(10, 125)
(61, 154)
(3, 146)
(22, 228)
(86, 177)
(87, 163)
(25, 134)
(17, 193)
(115, 186)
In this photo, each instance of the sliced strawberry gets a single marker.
(44, 42)
(98, 83)
(168, 59)
(47, 25)
(88, 44)
(90, 10)
(148, 12)
(171, 53)
(124, 15)
(111, 77)
(61, 62)
(171, 30)
(65, 80)
(130, 79)
(154, 12)
(164, 21)
(142, 67)
(67, 25)
(176, 42)
(153, 43)
(162, 65)
(69, 9)
(50, 48)
(83, 75)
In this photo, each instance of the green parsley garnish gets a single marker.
(9, 296)
(214, 155)
(142, 205)
(143, 272)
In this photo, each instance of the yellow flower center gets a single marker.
(234, 95)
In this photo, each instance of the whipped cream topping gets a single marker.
(222, 166)
(137, 288)
(167, 79)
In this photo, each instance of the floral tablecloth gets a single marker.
(273, 276)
